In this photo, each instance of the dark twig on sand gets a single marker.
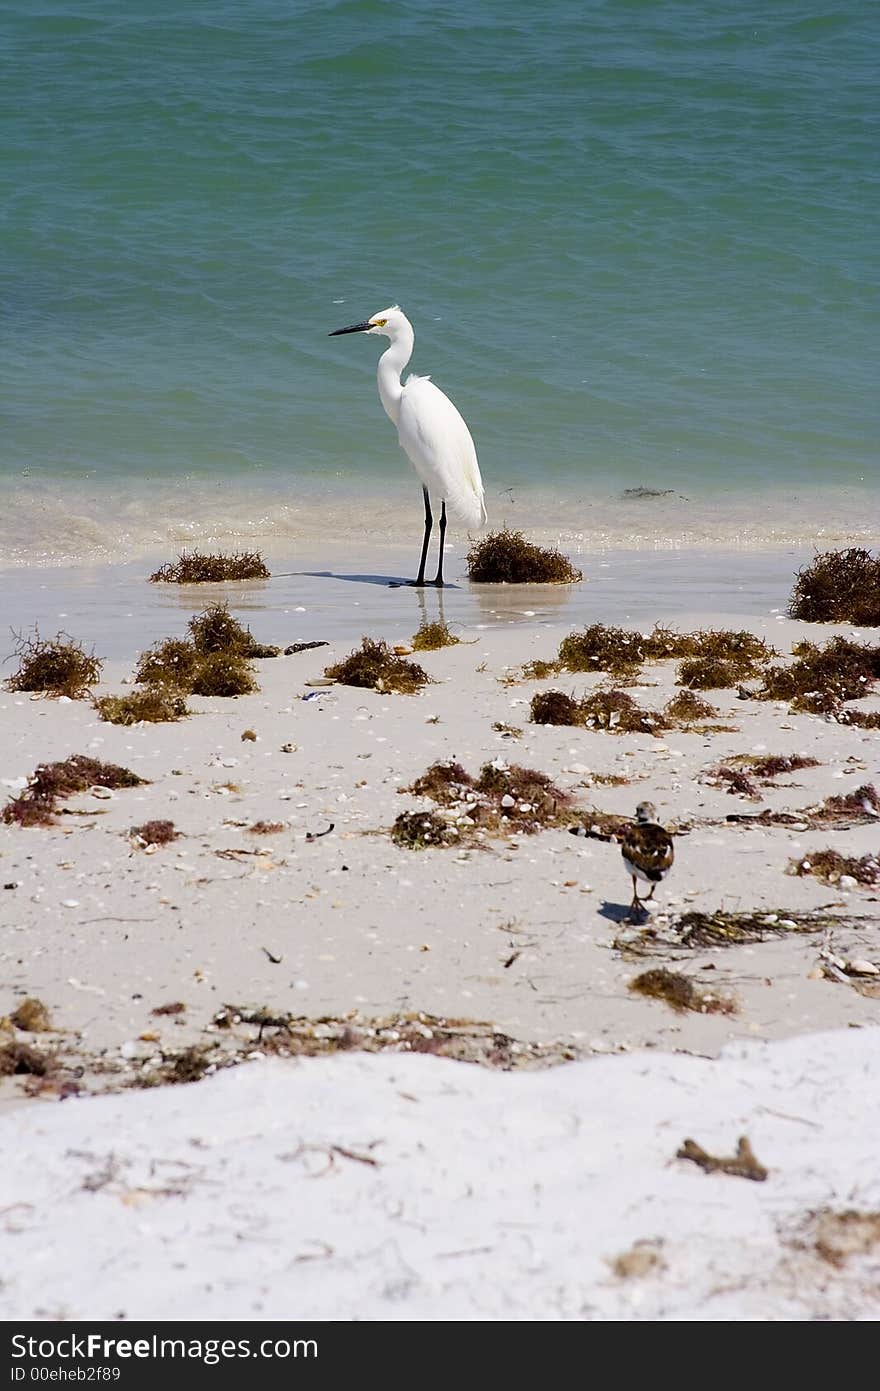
(741, 1165)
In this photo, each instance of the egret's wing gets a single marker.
(439, 446)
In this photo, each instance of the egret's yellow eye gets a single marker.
(379, 323)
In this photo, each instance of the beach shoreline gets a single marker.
(339, 591)
(90, 521)
(358, 922)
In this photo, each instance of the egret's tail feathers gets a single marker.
(464, 498)
(469, 507)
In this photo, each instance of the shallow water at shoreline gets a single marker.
(340, 595)
(93, 523)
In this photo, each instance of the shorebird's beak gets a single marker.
(352, 328)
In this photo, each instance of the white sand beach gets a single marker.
(526, 933)
(400, 1187)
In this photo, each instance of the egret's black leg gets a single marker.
(439, 580)
(429, 522)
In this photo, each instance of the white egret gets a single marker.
(431, 432)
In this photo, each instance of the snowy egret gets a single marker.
(431, 432)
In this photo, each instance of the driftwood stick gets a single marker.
(741, 1165)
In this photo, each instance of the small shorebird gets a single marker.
(647, 852)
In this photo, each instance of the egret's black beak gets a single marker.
(352, 328)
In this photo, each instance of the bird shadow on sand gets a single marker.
(620, 913)
(387, 581)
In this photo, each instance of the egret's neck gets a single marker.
(391, 364)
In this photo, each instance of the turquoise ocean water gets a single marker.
(638, 242)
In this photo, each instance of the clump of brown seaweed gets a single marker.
(32, 1016)
(602, 648)
(506, 557)
(859, 719)
(601, 825)
(196, 567)
(773, 765)
(432, 636)
(60, 666)
(711, 673)
(419, 830)
(685, 709)
(442, 782)
(838, 587)
(223, 674)
(216, 629)
(850, 809)
(681, 992)
(745, 770)
(21, 1059)
(181, 1066)
(152, 705)
(170, 664)
(154, 833)
(376, 667)
(712, 657)
(555, 707)
(503, 800)
(215, 660)
(832, 867)
(698, 929)
(617, 712)
(820, 679)
(52, 782)
(734, 780)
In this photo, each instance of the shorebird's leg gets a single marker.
(651, 894)
(429, 522)
(439, 578)
(636, 903)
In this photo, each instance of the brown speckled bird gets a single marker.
(647, 852)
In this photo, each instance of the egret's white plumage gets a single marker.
(431, 431)
(438, 444)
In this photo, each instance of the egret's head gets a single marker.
(389, 321)
(646, 814)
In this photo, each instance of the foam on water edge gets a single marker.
(88, 523)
